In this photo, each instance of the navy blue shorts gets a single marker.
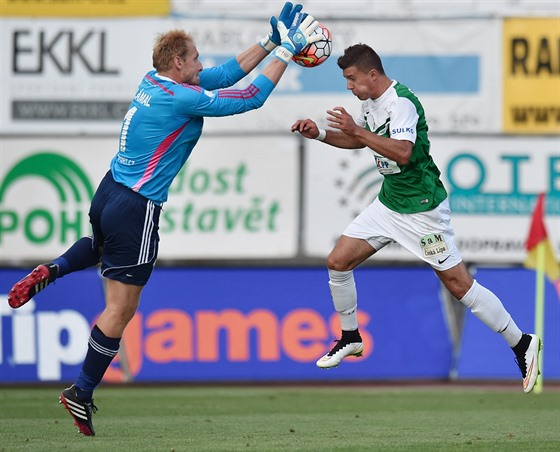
(125, 225)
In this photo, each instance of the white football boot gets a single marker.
(340, 351)
(528, 360)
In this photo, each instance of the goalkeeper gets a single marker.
(158, 134)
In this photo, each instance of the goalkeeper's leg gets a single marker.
(79, 256)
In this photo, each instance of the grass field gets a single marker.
(306, 418)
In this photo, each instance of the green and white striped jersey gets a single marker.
(416, 186)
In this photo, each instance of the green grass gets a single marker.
(217, 418)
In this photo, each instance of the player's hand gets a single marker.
(306, 127)
(273, 39)
(296, 37)
(287, 16)
(339, 118)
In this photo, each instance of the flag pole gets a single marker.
(539, 307)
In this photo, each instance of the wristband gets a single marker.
(267, 44)
(322, 135)
(283, 54)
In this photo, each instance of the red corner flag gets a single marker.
(540, 254)
(541, 257)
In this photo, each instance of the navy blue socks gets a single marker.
(101, 351)
(79, 256)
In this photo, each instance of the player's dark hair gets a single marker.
(169, 45)
(361, 56)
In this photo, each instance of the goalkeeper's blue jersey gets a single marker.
(165, 119)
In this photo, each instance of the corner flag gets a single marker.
(541, 257)
(538, 242)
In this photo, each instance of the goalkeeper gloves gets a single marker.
(295, 38)
(273, 39)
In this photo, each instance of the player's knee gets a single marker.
(334, 262)
(458, 287)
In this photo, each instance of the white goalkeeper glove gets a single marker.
(296, 37)
(273, 39)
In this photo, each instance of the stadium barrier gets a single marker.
(265, 324)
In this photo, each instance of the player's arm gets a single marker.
(309, 129)
(233, 70)
(229, 73)
(195, 101)
(398, 150)
(251, 57)
(233, 101)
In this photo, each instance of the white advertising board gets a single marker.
(492, 184)
(73, 76)
(234, 199)
(372, 10)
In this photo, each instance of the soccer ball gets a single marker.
(316, 53)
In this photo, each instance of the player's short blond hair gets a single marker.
(168, 45)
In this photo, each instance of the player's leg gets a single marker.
(488, 308)
(484, 304)
(361, 239)
(347, 254)
(79, 256)
(128, 225)
(429, 236)
(85, 253)
(121, 304)
(103, 346)
(433, 240)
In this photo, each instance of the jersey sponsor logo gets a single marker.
(124, 161)
(386, 166)
(398, 130)
(433, 245)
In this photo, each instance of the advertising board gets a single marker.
(531, 85)
(78, 76)
(492, 182)
(234, 198)
(215, 324)
(268, 324)
(83, 8)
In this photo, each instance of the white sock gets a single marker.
(489, 309)
(343, 292)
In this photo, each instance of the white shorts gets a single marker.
(427, 235)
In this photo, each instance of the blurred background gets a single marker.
(240, 290)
